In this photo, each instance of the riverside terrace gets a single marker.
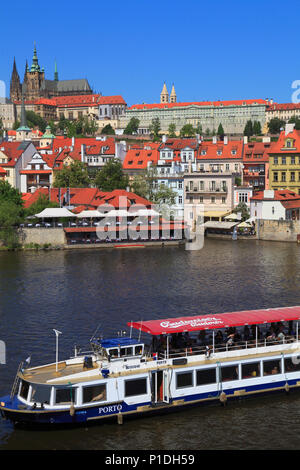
(94, 227)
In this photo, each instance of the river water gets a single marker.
(76, 291)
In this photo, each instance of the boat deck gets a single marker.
(48, 372)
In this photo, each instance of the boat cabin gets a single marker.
(118, 348)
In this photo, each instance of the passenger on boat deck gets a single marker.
(230, 340)
(187, 339)
(180, 343)
(162, 343)
(271, 336)
(274, 370)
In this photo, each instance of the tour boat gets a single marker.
(194, 360)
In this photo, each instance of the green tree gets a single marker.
(41, 204)
(108, 130)
(207, 132)
(73, 176)
(111, 176)
(34, 120)
(132, 126)
(243, 209)
(155, 128)
(248, 131)
(140, 185)
(198, 128)
(275, 125)
(187, 131)
(172, 130)
(256, 128)
(295, 120)
(220, 131)
(10, 194)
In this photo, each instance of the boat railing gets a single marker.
(208, 349)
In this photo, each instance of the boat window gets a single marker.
(40, 393)
(138, 350)
(229, 373)
(251, 370)
(291, 364)
(24, 389)
(114, 352)
(65, 396)
(126, 352)
(135, 387)
(272, 367)
(206, 376)
(184, 379)
(94, 393)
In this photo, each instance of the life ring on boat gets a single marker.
(223, 398)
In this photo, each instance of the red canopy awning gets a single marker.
(222, 320)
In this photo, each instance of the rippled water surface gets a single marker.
(76, 291)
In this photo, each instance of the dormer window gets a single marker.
(203, 152)
(219, 152)
(233, 152)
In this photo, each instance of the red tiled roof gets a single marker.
(279, 195)
(211, 150)
(89, 198)
(76, 100)
(257, 151)
(12, 151)
(116, 99)
(280, 144)
(46, 101)
(283, 106)
(2, 171)
(199, 103)
(137, 157)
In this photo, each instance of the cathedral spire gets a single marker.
(35, 63)
(173, 96)
(55, 72)
(15, 84)
(164, 96)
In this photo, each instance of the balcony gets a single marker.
(207, 189)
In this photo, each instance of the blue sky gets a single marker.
(210, 50)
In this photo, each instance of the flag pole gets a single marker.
(57, 333)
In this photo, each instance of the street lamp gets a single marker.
(57, 333)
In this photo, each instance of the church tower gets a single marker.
(164, 96)
(15, 85)
(34, 78)
(173, 96)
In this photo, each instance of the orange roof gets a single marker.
(116, 99)
(76, 100)
(280, 144)
(279, 195)
(199, 103)
(138, 157)
(46, 102)
(220, 151)
(283, 106)
(257, 152)
(2, 171)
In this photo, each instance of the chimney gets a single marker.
(289, 128)
(225, 139)
(266, 139)
(245, 139)
(214, 139)
(82, 152)
(73, 141)
(164, 138)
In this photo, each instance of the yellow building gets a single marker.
(284, 161)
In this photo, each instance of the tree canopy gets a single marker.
(275, 125)
(220, 131)
(172, 130)
(132, 126)
(187, 131)
(155, 128)
(111, 176)
(108, 130)
(72, 176)
(39, 205)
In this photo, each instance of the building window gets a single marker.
(184, 379)
(283, 160)
(179, 199)
(213, 200)
(293, 176)
(135, 387)
(201, 199)
(293, 160)
(275, 176)
(94, 393)
(283, 176)
(275, 160)
(206, 376)
(223, 200)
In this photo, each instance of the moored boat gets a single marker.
(195, 360)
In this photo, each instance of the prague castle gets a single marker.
(35, 86)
